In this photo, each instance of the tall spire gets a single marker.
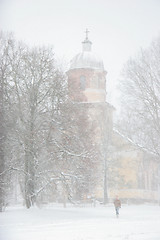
(86, 44)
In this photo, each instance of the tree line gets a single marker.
(46, 148)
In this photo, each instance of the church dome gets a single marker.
(87, 59)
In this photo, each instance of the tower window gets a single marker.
(82, 82)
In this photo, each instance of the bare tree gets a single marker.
(31, 89)
(2, 132)
(5, 39)
(38, 89)
(140, 87)
(48, 139)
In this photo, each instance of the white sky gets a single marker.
(118, 28)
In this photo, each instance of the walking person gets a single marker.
(117, 205)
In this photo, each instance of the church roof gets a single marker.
(87, 59)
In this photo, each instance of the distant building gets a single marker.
(124, 169)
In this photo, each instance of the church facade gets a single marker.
(125, 169)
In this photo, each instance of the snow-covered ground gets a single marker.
(86, 223)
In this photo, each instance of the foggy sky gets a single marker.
(118, 28)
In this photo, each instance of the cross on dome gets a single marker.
(86, 43)
(86, 32)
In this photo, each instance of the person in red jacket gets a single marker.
(117, 204)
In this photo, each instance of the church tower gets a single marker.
(87, 90)
(86, 76)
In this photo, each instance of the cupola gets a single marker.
(86, 58)
(86, 75)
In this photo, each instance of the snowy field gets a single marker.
(86, 223)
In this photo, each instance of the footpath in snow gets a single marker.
(140, 222)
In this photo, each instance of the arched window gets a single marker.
(82, 82)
